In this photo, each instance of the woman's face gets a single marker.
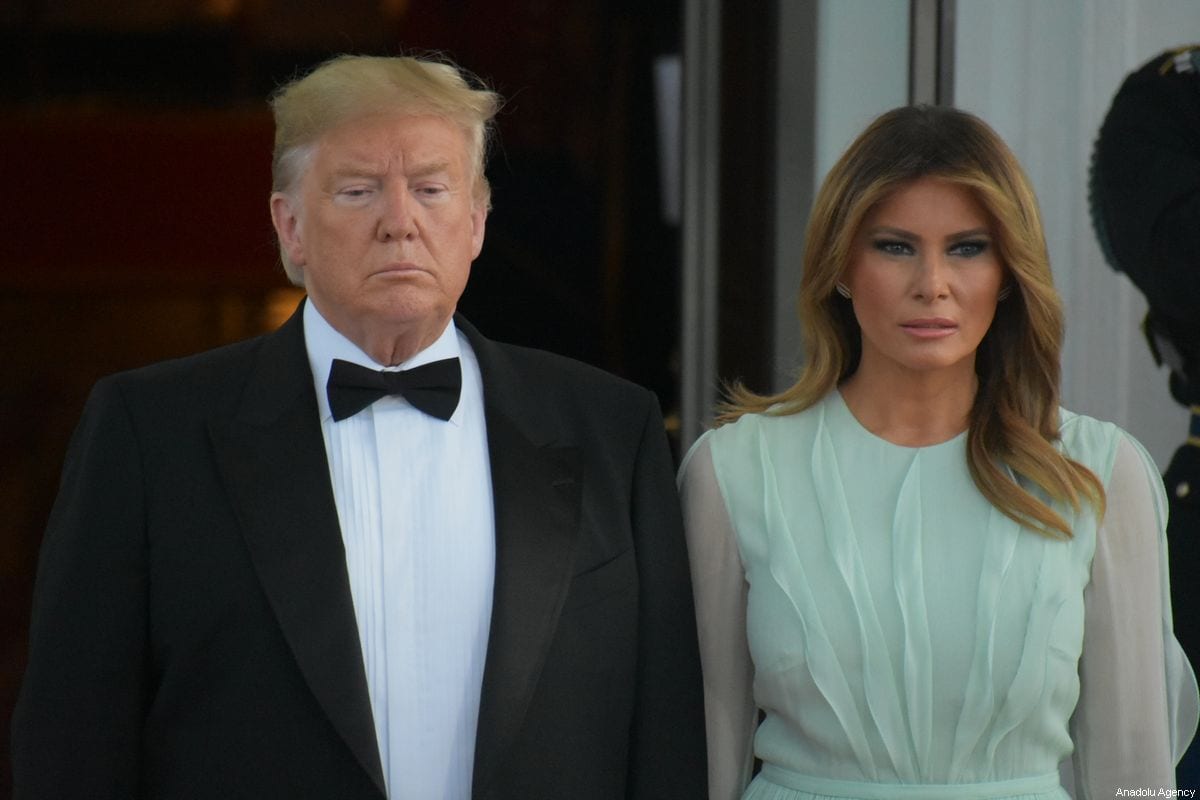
(924, 277)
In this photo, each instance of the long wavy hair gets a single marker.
(1014, 421)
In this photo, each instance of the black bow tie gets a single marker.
(432, 388)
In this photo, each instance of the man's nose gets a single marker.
(396, 220)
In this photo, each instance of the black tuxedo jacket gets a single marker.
(193, 634)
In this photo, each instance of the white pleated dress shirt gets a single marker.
(414, 499)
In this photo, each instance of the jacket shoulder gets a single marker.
(566, 399)
(554, 369)
(205, 383)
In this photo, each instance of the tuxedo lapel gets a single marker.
(537, 494)
(272, 458)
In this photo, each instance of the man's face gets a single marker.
(385, 226)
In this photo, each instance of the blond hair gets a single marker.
(346, 88)
(1014, 421)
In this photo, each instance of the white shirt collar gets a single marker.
(324, 343)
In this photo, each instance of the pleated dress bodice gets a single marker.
(903, 631)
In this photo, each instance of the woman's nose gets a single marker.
(932, 279)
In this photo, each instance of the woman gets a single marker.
(931, 580)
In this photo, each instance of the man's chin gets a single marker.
(423, 324)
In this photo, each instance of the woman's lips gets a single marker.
(935, 328)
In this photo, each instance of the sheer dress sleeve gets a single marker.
(1137, 707)
(720, 588)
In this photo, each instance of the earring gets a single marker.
(842, 289)
(1005, 291)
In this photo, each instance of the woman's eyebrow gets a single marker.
(971, 232)
(888, 230)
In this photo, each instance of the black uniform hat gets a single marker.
(1145, 203)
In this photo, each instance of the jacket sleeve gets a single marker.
(76, 729)
(667, 756)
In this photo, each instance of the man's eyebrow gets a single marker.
(355, 168)
(429, 168)
(362, 168)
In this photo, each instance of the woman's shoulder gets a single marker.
(766, 426)
(1092, 442)
(744, 445)
(1073, 424)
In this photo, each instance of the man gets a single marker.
(267, 576)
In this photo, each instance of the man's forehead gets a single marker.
(415, 144)
(376, 163)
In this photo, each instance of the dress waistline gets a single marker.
(864, 790)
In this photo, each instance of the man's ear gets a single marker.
(285, 215)
(479, 214)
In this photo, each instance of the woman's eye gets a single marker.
(969, 248)
(893, 247)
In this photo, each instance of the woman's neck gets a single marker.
(911, 409)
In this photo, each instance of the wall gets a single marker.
(1043, 74)
(862, 69)
(859, 69)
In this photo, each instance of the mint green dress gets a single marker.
(904, 639)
